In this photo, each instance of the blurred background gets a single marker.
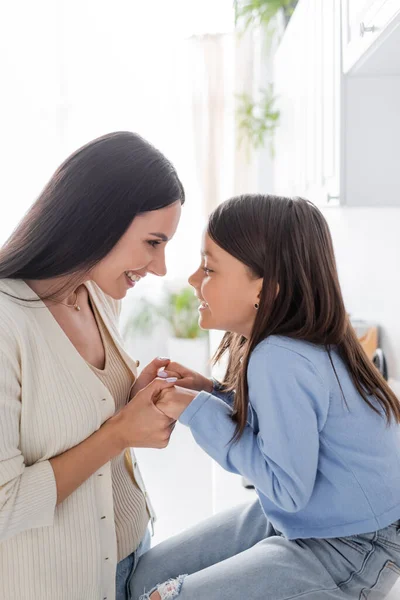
(271, 96)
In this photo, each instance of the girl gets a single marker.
(74, 511)
(301, 413)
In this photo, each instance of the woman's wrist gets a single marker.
(113, 435)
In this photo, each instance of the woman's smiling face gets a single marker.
(140, 250)
(227, 290)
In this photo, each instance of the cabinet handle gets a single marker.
(364, 29)
(330, 197)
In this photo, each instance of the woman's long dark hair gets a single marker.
(87, 206)
(286, 241)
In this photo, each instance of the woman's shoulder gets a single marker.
(13, 299)
(12, 318)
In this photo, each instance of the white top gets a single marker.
(50, 401)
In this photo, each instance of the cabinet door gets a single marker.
(307, 80)
(363, 23)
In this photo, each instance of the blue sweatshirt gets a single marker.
(322, 466)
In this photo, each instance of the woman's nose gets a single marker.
(159, 266)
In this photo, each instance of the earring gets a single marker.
(256, 305)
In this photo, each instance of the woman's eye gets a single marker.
(154, 243)
(206, 271)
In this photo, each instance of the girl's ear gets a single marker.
(277, 290)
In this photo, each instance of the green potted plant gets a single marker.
(187, 342)
(257, 119)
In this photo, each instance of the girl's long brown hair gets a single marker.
(286, 241)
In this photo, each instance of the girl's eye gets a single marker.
(154, 243)
(207, 271)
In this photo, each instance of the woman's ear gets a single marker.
(277, 290)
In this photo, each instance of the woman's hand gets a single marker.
(186, 377)
(174, 400)
(149, 373)
(140, 424)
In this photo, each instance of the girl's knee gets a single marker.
(169, 590)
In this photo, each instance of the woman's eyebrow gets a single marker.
(162, 236)
(206, 253)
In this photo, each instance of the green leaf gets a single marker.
(179, 310)
(257, 119)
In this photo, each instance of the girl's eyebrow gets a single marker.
(162, 236)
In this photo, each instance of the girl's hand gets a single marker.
(186, 377)
(149, 373)
(173, 401)
(140, 424)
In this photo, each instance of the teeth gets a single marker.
(204, 304)
(132, 276)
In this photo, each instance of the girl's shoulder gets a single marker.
(284, 355)
(291, 348)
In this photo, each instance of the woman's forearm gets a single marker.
(73, 467)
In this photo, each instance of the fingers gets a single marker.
(164, 374)
(156, 364)
(158, 385)
(174, 366)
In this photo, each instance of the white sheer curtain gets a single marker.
(223, 66)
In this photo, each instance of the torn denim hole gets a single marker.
(168, 590)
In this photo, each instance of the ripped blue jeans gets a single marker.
(238, 555)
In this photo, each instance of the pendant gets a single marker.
(76, 307)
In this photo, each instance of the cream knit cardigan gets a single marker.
(50, 401)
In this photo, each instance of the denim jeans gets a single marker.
(238, 555)
(126, 568)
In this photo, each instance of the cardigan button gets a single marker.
(104, 399)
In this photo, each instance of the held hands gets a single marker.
(140, 424)
(149, 373)
(174, 400)
(148, 420)
(171, 400)
(186, 377)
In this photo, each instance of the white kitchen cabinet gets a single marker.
(337, 140)
(307, 86)
(366, 24)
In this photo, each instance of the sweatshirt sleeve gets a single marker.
(291, 405)
(28, 494)
(218, 392)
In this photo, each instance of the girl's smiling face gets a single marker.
(227, 289)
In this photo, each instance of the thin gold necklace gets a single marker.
(75, 305)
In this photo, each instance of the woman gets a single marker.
(72, 501)
(302, 413)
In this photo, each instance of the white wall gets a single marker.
(367, 247)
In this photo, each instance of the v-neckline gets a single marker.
(61, 342)
(100, 326)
